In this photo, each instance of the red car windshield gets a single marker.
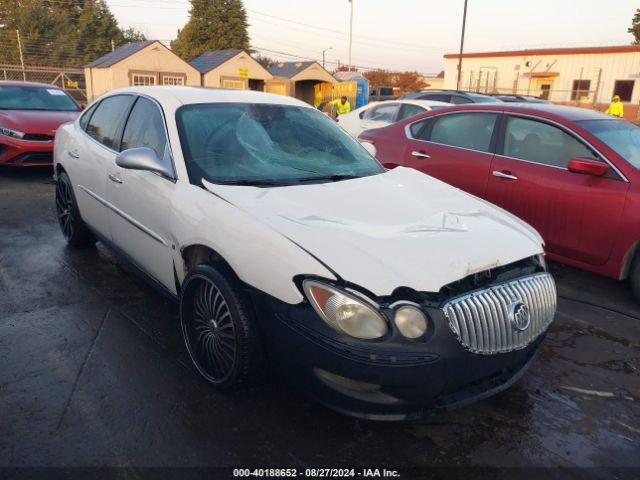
(35, 98)
(622, 136)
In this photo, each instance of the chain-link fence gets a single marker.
(70, 79)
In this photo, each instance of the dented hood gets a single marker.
(399, 228)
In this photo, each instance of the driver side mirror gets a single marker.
(588, 166)
(143, 158)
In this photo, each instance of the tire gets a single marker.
(219, 328)
(634, 277)
(73, 228)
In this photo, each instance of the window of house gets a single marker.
(234, 84)
(172, 80)
(465, 130)
(624, 89)
(541, 143)
(106, 122)
(143, 80)
(580, 89)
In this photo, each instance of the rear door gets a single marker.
(96, 150)
(140, 220)
(577, 215)
(456, 148)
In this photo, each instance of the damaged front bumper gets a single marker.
(401, 379)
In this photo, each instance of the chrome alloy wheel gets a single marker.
(210, 333)
(65, 209)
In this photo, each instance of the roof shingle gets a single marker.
(210, 60)
(289, 69)
(120, 54)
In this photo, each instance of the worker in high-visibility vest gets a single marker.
(616, 108)
(342, 106)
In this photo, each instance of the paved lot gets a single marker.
(93, 372)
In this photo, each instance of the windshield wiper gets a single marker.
(331, 178)
(252, 183)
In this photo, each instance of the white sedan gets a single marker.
(381, 114)
(385, 294)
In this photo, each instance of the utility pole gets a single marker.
(24, 75)
(113, 45)
(351, 30)
(323, 52)
(464, 23)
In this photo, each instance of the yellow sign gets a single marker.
(243, 72)
(72, 84)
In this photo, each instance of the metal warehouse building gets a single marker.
(588, 77)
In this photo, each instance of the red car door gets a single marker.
(454, 147)
(577, 214)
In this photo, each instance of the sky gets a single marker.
(401, 34)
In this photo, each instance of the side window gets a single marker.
(466, 130)
(439, 97)
(145, 128)
(541, 143)
(106, 122)
(460, 100)
(409, 110)
(383, 113)
(84, 119)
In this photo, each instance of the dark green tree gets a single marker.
(31, 18)
(266, 62)
(133, 35)
(213, 25)
(98, 30)
(634, 29)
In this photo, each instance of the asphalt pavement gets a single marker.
(93, 372)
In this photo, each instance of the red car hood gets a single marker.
(36, 121)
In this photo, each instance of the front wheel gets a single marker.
(219, 328)
(73, 228)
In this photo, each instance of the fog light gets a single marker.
(411, 322)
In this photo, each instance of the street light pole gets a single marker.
(323, 52)
(350, 31)
(464, 22)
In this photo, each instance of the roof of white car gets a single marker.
(421, 103)
(191, 95)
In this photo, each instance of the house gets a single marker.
(231, 69)
(138, 63)
(298, 79)
(587, 77)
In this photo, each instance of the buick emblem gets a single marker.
(519, 316)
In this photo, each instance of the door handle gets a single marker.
(420, 154)
(114, 178)
(73, 154)
(508, 176)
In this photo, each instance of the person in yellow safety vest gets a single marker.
(342, 106)
(616, 108)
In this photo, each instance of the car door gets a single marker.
(455, 148)
(380, 115)
(578, 215)
(140, 219)
(95, 151)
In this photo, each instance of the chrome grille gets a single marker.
(483, 321)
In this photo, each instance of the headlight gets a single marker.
(411, 321)
(345, 312)
(9, 132)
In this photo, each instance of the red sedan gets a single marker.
(572, 173)
(30, 114)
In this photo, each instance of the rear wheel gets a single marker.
(73, 228)
(219, 328)
(634, 277)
